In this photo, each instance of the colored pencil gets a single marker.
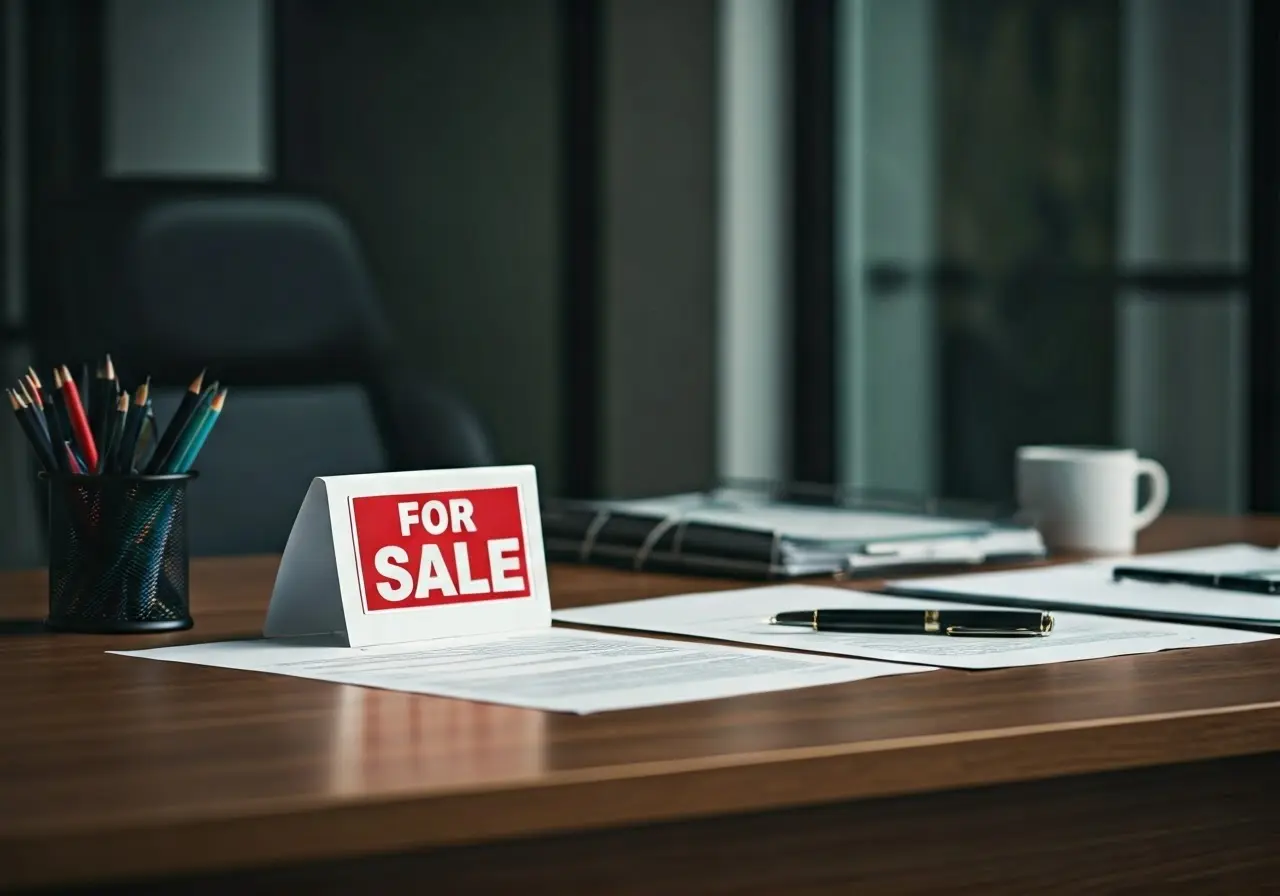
(104, 401)
(189, 431)
(86, 397)
(79, 423)
(38, 439)
(111, 434)
(58, 400)
(31, 395)
(177, 425)
(53, 425)
(33, 402)
(68, 438)
(132, 428)
(206, 425)
(73, 462)
(37, 428)
(119, 421)
(44, 401)
(33, 385)
(146, 438)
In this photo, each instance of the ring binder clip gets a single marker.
(677, 543)
(589, 538)
(654, 536)
(775, 554)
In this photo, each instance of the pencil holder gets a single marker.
(118, 554)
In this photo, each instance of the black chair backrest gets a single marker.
(273, 295)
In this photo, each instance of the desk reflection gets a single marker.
(389, 741)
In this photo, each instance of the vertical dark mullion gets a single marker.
(289, 124)
(1264, 254)
(8, 327)
(813, 286)
(66, 87)
(581, 244)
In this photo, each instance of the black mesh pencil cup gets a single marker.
(118, 554)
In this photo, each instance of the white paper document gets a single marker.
(1090, 587)
(561, 670)
(1236, 559)
(740, 616)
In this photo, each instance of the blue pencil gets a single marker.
(197, 441)
(182, 442)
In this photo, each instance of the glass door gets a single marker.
(1041, 237)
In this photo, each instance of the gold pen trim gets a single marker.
(931, 624)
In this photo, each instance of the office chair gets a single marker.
(273, 295)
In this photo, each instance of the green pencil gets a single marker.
(197, 442)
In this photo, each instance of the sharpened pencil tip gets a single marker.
(110, 368)
(198, 383)
(218, 399)
(772, 620)
(35, 377)
(122, 404)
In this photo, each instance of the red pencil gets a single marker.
(79, 423)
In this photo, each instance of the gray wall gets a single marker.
(434, 126)
(18, 543)
(661, 81)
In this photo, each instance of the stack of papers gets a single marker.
(740, 616)
(741, 532)
(1089, 587)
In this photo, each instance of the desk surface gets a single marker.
(112, 767)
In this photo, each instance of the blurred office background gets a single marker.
(658, 242)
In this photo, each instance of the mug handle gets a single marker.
(1159, 493)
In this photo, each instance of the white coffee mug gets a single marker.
(1083, 499)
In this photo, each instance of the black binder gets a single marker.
(669, 533)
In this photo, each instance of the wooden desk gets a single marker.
(1080, 777)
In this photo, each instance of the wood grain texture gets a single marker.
(1199, 828)
(113, 768)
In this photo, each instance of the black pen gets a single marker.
(1003, 623)
(1254, 584)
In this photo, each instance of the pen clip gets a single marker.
(963, 630)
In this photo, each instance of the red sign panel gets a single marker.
(440, 548)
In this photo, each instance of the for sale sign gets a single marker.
(437, 548)
(389, 558)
